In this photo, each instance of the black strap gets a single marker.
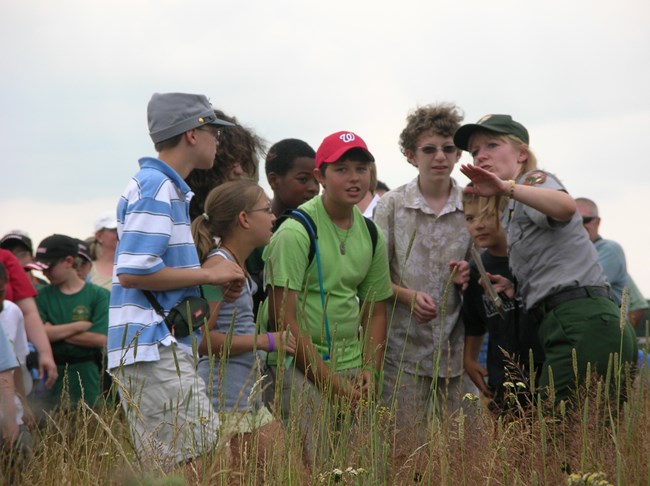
(155, 304)
(372, 229)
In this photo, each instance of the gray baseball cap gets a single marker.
(170, 114)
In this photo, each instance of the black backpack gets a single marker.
(308, 223)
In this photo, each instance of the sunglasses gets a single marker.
(433, 150)
(215, 133)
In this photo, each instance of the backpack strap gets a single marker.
(372, 229)
(307, 222)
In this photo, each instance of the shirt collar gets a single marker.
(414, 199)
(157, 164)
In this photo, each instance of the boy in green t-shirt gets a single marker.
(334, 362)
(75, 314)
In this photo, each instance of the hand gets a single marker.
(485, 183)
(500, 284)
(462, 273)
(83, 326)
(366, 383)
(424, 308)
(221, 271)
(477, 374)
(232, 290)
(348, 390)
(46, 365)
(285, 341)
(10, 433)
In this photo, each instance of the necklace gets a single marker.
(345, 238)
(232, 254)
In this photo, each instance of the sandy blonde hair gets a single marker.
(222, 207)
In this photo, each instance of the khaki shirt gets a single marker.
(402, 214)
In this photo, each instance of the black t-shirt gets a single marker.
(515, 334)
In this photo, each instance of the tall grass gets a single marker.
(598, 441)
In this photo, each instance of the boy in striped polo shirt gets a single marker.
(170, 416)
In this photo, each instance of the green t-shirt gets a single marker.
(89, 304)
(348, 279)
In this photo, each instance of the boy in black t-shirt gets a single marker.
(511, 333)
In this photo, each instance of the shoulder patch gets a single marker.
(534, 178)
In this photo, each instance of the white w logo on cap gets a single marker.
(347, 137)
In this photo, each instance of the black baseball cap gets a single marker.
(15, 238)
(55, 248)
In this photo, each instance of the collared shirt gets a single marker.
(612, 260)
(423, 265)
(154, 233)
(547, 256)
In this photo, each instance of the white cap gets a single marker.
(106, 220)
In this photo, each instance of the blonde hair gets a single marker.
(531, 160)
(488, 206)
(222, 207)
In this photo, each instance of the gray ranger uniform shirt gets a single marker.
(547, 256)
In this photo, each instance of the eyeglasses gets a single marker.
(215, 133)
(588, 219)
(433, 150)
(268, 210)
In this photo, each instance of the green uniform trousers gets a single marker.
(591, 326)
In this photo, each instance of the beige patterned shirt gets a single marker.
(403, 214)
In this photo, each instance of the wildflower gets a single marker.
(508, 384)
(470, 397)
(521, 384)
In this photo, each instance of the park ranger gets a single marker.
(554, 264)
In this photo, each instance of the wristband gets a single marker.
(271, 342)
(511, 192)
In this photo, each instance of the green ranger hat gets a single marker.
(493, 123)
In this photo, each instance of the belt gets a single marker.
(565, 295)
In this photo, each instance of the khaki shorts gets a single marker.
(235, 423)
(169, 414)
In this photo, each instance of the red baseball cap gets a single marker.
(334, 146)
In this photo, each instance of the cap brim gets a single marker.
(334, 156)
(463, 134)
(220, 122)
(40, 266)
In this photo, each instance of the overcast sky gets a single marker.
(77, 76)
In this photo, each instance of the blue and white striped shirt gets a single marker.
(154, 232)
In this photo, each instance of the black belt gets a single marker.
(565, 295)
(70, 360)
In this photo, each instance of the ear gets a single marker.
(272, 178)
(410, 157)
(522, 157)
(319, 177)
(243, 221)
(190, 136)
